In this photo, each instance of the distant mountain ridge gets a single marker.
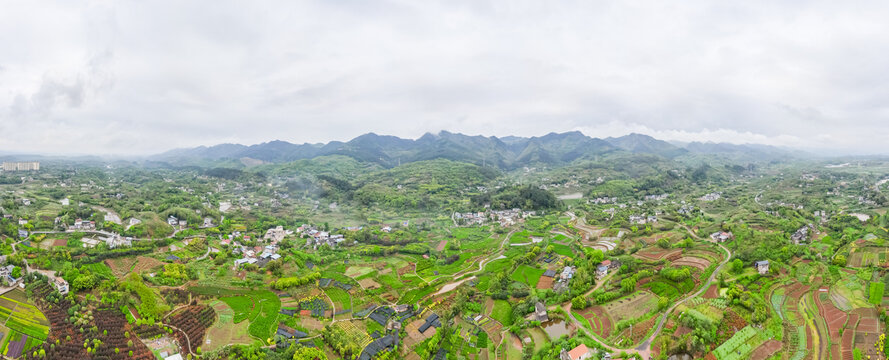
(504, 152)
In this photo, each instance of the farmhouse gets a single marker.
(601, 271)
(722, 236)
(567, 273)
(6, 274)
(761, 266)
(540, 312)
(60, 284)
(581, 352)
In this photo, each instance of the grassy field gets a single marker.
(528, 275)
(520, 237)
(563, 250)
(471, 233)
(502, 312)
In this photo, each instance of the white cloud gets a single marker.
(142, 77)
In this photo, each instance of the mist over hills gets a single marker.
(506, 152)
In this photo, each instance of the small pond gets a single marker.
(556, 328)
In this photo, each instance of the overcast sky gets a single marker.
(142, 77)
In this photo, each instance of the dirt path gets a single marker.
(452, 286)
(481, 266)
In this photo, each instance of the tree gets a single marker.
(737, 265)
(839, 260)
(579, 302)
(307, 353)
(663, 303)
(628, 285)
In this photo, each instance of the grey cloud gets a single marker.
(174, 74)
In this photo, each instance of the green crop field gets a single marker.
(528, 275)
(23, 317)
(259, 307)
(340, 298)
(662, 289)
(876, 293)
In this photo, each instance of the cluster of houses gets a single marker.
(643, 219)
(505, 218)
(80, 224)
(257, 255)
(656, 197)
(470, 218)
(711, 196)
(173, 221)
(316, 238)
(802, 234)
(602, 200)
(822, 214)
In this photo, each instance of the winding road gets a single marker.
(644, 348)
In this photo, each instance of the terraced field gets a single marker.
(25, 326)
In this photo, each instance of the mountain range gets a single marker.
(504, 152)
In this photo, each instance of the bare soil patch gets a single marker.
(712, 292)
(656, 253)
(695, 262)
(369, 284)
(545, 283)
(766, 350)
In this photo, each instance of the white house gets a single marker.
(60, 284)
